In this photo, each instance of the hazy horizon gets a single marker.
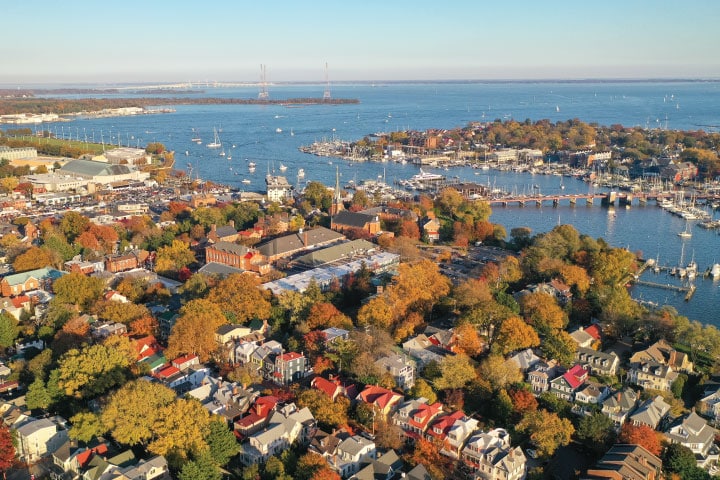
(86, 42)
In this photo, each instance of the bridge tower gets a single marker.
(263, 95)
(326, 93)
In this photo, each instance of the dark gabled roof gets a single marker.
(222, 270)
(230, 247)
(298, 241)
(352, 219)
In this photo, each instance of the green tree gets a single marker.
(680, 460)
(499, 372)
(8, 330)
(223, 444)
(37, 395)
(678, 385)
(318, 195)
(596, 431)
(560, 346)
(201, 468)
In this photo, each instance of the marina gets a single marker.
(642, 227)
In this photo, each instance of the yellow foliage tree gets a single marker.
(514, 334)
(240, 298)
(171, 258)
(543, 312)
(32, 258)
(181, 428)
(547, 431)
(194, 330)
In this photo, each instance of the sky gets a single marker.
(90, 41)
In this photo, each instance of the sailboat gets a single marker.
(686, 233)
(216, 141)
(196, 138)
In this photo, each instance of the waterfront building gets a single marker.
(278, 189)
(100, 172)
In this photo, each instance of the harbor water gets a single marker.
(271, 135)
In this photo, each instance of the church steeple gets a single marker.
(337, 203)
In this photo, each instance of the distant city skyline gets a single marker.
(224, 41)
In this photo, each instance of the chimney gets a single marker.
(213, 227)
(305, 239)
(231, 223)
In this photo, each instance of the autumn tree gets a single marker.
(514, 334)
(172, 432)
(240, 298)
(7, 449)
(641, 435)
(499, 372)
(456, 372)
(427, 453)
(422, 389)
(93, 370)
(547, 431)
(85, 426)
(542, 311)
(73, 224)
(173, 257)
(468, 339)
(194, 330)
(77, 289)
(133, 411)
(523, 400)
(331, 414)
(121, 312)
(326, 315)
(245, 375)
(33, 258)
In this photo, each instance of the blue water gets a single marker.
(252, 129)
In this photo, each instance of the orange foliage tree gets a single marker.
(641, 435)
(325, 315)
(514, 334)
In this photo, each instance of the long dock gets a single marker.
(666, 286)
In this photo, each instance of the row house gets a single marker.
(525, 359)
(541, 374)
(619, 405)
(452, 430)
(400, 367)
(692, 431)
(257, 416)
(490, 456)
(228, 400)
(652, 412)
(383, 400)
(652, 375)
(599, 363)
(37, 438)
(709, 404)
(592, 393)
(662, 352)
(287, 426)
(586, 337)
(333, 387)
(414, 417)
(624, 461)
(350, 453)
(385, 467)
(568, 383)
